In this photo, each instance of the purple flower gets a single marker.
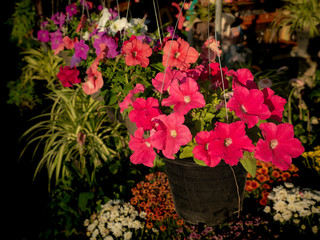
(56, 39)
(110, 43)
(114, 14)
(74, 61)
(81, 49)
(59, 19)
(144, 39)
(170, 30)
(71, 9)
(43, 36)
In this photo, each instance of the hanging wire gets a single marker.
(160, 21)
(157, 21)
(128, 10)
(174, 31)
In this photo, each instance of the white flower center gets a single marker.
(173, 133)
(206, 147)
(134, 53)
(148, 144)
(227, 142)
(187, 99)
(243, 109)
(177, 54)
(273, 143)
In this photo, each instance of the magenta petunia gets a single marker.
(144, 111)
(279, 145)
(68, 76)
(243, 78)
(81, 49)
(56, 39)
(275, 104)
(143, 150)
(201, 150)
(130, 98)
(43, 35)
(71, 9)
(249, 105)
(229, 143)
(170, 134)
(184, 97)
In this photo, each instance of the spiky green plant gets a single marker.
(76, 131)
(299, 15)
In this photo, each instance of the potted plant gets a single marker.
(205, 121)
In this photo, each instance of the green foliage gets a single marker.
(299, 15)
(23, 21)
(40, 68)
(75, 130)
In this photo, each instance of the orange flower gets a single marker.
(285, 176)
(254, 184)
(249, 175)
(263, 170)
(175, 216)
(276, 173)
(160, 218)
(163, 228)
(180, 222)
(263, 201)
(133, 201)
(266, 186)
(262, 178)
(149, 225)
(265, 194)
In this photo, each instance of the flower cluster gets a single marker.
(153, 197)
(261, 185)
(116, 219)
(312, 159)
(295, 206)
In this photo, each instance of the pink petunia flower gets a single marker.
(143, 149)
(243, 78)
(144, 111)
(43, 35)
(68, 76)
(162, 81)
(130, 98)
(216, 80)
(71, 9)
(66, 43)
(170, 135)
(230, 140)
(210, 49)
(179, 54)
(249, 105)
(81, 49)
(136, 53)
(184, 97)
(201, 151)
(279, 145)
(275, 104)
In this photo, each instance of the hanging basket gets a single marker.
(205, 194)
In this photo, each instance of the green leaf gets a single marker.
(83, 200)
(199, 162)
(249, 163)
(186, 152)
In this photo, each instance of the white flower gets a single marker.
(86, 223)
(287, 215)
(296, 221)
(127, 235)
(314, 229)
(119, 25)
(280, 206)
(108, 238)
(142, 214)
(288, 185)
(86, 36)
(265, 82)
(267, 209)
(95, 233)
(103, 20)
(277, 217)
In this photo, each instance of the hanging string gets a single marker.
(174, 31)
(160, 21)
(118, 8)
(157, 21)
(128, 10)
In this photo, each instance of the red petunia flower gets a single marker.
(201, 151)
(68, 76)
(243, 78)
(136, 53)
(275, 104)
(184, 97)
(179, 54)
(171, 134)
(230, 140)
(130, 98)
(249, 105)
(143, 150)
(279, 145)
(144, 111)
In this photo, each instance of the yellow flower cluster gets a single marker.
(312, 159)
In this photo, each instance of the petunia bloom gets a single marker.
(279, 145)
(43, 35)
(56, 39)
(229, 143)
(81, 49)
(130, 98)
(68, 76)
(110, 42)
(249, 105)
(171, 134)
(210, 50)
(275, 104)
(216, 80)
(184, 97)
(71, 9)
(136, 53)
(143, 150)
(179, 54)
(162, 81)
(243, 78)
(201, 150)
(144, 110)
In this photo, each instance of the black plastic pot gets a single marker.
(205, 194)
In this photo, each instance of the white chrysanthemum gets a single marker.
(108, 238)
(280, 206)
(127, 235)
(287, 215)
(86, 223)
(267, 209)
(288, 185)
(95, 233)
(104, 19)
(315, 229)
(277, 217)
(142, 214)
(119, 25)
